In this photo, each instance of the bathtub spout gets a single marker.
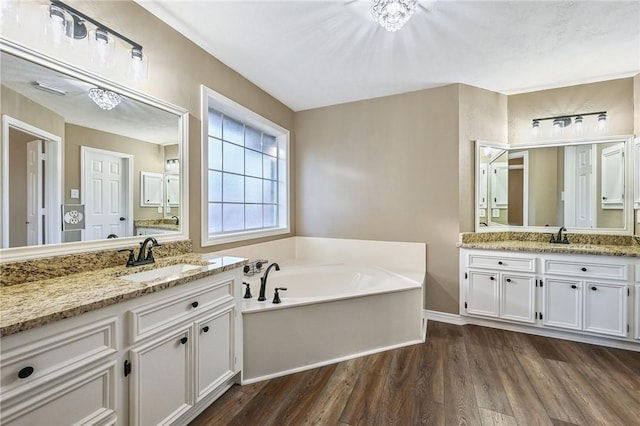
(263, 281)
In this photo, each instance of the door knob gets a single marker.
(122, 219)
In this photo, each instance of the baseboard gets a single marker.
(538, 331)
(444, 317)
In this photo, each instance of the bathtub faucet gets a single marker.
(263, 281)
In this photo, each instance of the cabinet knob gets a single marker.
(183, 340)
(500, 262)
(594, 288)
(573, 286)
(194, 304)
(508, 280)
(583, 269)
(205, 328)
(25, 372)
(492, 278)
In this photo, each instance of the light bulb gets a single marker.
(602, 121)
(535, 127)
(579, 122)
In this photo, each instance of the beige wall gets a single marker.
(613, 96)
(385, 169)
(148, 157)
(177, 68)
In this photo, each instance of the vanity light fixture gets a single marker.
(392, 14)
(172, 165)
(562, 121)
(65, 21)
(45, 87)
(105, 99)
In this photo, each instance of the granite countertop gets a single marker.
(603, 245)
(167, 224)
(32, 304)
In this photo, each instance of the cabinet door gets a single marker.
(637, 297)
(215, 360)
(151, 189)
(605, 308)
(562, 303)
(517, 301)
(159, 385)
(483, 294)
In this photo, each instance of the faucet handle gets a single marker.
(276, 296)
(131, 259)
(247, 293)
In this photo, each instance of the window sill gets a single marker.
(242, 236)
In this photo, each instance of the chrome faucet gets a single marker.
(559, 239)
(263, 281)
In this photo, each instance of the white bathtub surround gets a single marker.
(344, 299)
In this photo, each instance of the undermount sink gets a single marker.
(166, 273)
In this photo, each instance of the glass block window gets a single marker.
(246, 168)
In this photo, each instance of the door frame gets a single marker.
(525, 182)
(128, 161)
(53, 175)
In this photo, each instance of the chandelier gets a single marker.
(105, 99)
(392, 14)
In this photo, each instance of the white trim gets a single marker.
(525, 182)
(456, 319)
(53, 173)
(23, 253)
(328, 362)
(211, 98)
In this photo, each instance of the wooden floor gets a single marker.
(462, 375)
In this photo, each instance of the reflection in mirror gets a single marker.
(578, 185)
(71, 170)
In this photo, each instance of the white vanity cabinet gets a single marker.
(63, 373)
(588, 294)
(160, 358)
(499, 286)
(182, 349)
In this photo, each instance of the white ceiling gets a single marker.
(131, 118)
(310, 54)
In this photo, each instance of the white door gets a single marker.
(562, 304)
(105, 194)
(579, 187)
(35, 193)
(605, 308)
(483, 294)
(517, 299)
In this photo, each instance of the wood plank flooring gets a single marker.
(461, 375)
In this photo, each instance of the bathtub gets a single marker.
(330, 312)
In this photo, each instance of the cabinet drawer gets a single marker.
(587, 269)
(521, 264)
(156, 316)
(43, 356)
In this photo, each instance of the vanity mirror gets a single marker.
(583, 185)
(72, 165)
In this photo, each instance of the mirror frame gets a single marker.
(35, 252)
(628, 185)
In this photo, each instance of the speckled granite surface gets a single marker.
(595, 244)
(61, 266)
(37, 303)
(168, 224)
